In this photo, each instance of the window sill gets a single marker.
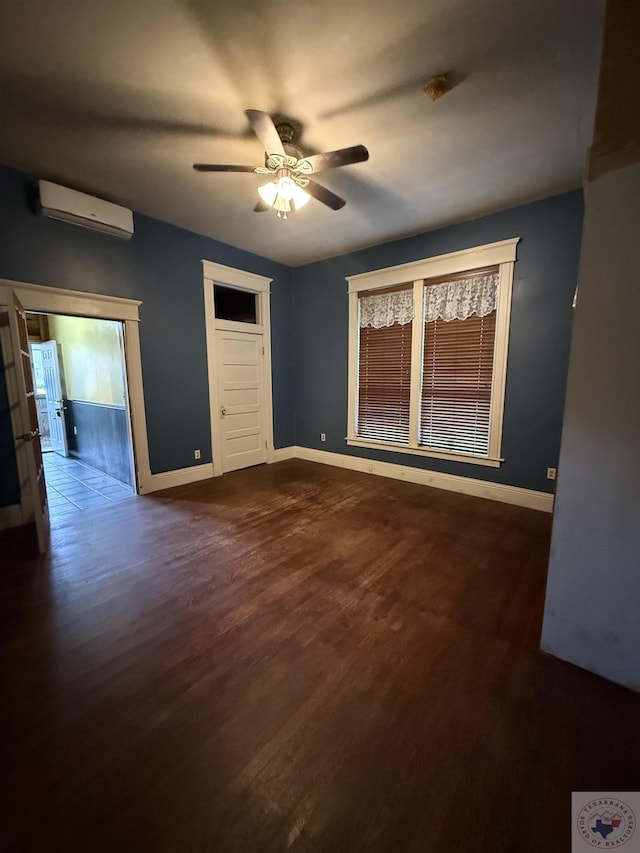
(421, 451)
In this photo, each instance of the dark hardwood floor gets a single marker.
(296, 658)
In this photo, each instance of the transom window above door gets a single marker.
(231, 303)
(428, 355)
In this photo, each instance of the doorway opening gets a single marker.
(23, 496)
(81, 399)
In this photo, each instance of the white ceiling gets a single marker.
(120, 97)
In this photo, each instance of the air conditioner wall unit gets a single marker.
(57, 202)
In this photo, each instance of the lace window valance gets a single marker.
(458, 300)
(385, 309)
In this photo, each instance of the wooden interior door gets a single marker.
(24, 417)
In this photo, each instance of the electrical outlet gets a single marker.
(323, 436)
(196, 454)
(551, 473)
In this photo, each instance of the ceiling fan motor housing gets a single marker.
(286, 131)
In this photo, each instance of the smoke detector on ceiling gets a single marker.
(437, 87)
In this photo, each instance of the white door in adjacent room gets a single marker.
(55, 397)
(240, 379)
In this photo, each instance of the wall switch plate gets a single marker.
(323, 436)
(196, 454)
(75, 430)
(551, 473)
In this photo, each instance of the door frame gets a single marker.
(214, 273)
(55, 300)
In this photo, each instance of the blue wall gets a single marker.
(160, 265)
(545, 279)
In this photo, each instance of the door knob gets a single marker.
(223, 411)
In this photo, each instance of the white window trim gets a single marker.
(501, 254)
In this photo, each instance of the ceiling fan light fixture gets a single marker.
(280, 195)
(270, 195)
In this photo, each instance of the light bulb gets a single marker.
(286, 188)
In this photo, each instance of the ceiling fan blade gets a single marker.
(341, 157)
(325, 196)
(217, 167)
(265, 130)
(261, 207)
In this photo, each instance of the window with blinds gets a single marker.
(385, 320)
(384, 383)
(457, 373)
(428, 358)
(459, 315)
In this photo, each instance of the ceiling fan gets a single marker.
(290, 186)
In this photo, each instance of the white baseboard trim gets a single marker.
(10, 516)
(451, 482)
(283, 453)
(179, 477)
